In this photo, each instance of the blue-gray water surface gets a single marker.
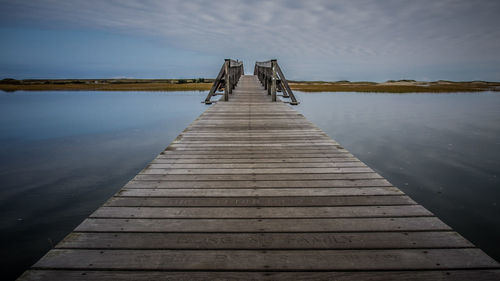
(62, 154)
(443, 150)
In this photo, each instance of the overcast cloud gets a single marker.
(329, 40)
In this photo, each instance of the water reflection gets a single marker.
(62, 154)
(441, 149)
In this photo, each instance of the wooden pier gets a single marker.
(252, 190)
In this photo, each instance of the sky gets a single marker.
(356, 40)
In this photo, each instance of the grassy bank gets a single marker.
(200, 84)
(404, 86)
(107, 85)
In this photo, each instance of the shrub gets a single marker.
(11, 81)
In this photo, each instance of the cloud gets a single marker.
(317, 36)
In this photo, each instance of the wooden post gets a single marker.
(273, 80)
(226, 78)
(266, 82)
(235, 79)
(216, 85)
(263, 77)
(286, 87)
(231, 80)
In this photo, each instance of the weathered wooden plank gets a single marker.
(261, 212)
(257, 131)
(263, 225)
(253, 138)
(210, 171)
(213, 138)
(250, 160)
(256, 177)
(262, 121)
(255, 143)
(227, 192)
(137, 183)
(255, 165)
(322, 240)
(243, 126)
(280, 201)
(266, 260)
(172, 154)
(252, 143)
(283, 150)
(220, 114)
(439, 275)
(278, 116)
(263, 118)
(254, 132)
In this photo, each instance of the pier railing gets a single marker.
(273, 80)
(227, 79)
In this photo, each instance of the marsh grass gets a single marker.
(107, 85)
(402, 86)
(201, 84)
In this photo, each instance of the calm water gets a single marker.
(62, 154)
(441, 149)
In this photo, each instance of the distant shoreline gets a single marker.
(201, 84)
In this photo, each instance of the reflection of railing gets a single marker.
(272, 78)
(228, 77)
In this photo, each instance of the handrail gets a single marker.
(228, 77)
(263, 63)
(272, 78)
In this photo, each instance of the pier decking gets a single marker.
(252, 190)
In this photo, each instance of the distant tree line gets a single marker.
(194, 80)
